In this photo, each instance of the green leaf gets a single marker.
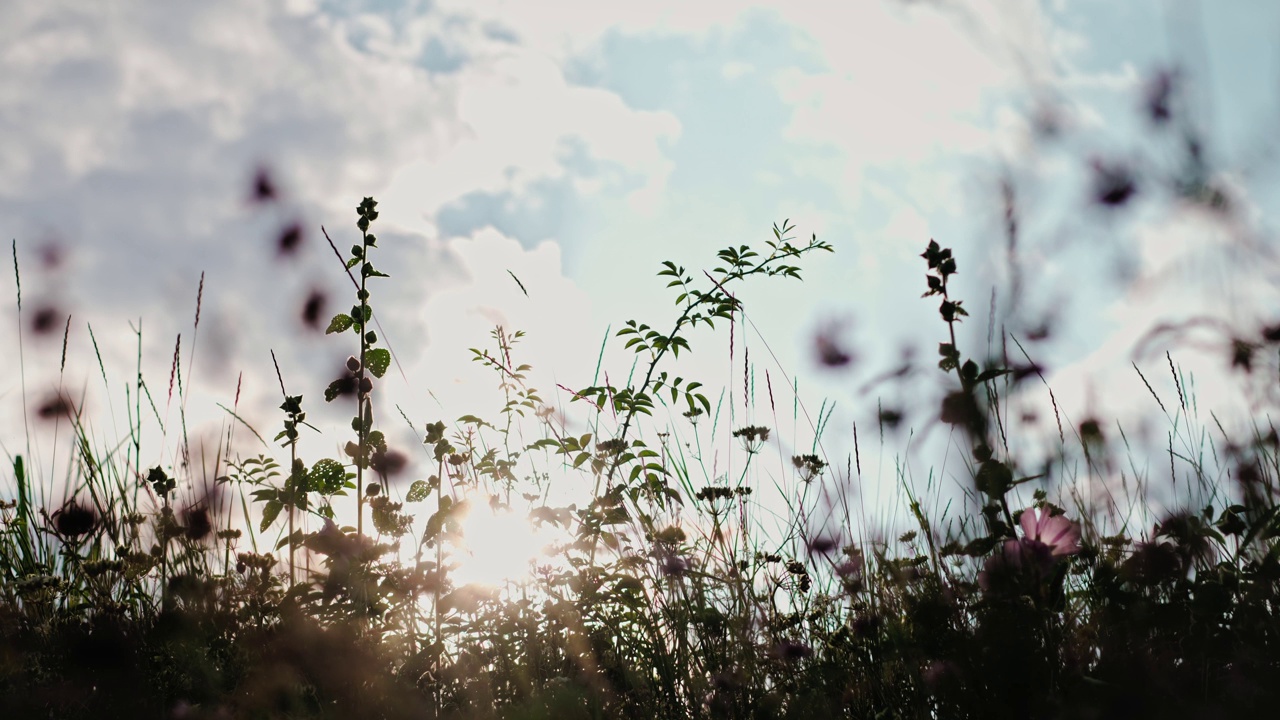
(269, 514)
(340, 322)
(992, 374)
(326, 476)
(377, 360)
(418, 491)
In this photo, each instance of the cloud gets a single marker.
(133, 132)
(575, 149)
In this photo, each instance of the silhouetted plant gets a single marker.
(665, 596)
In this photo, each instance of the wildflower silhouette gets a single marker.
(1046, 538)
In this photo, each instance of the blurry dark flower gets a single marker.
(959, 408)
(1189, 533)
(822, 545)
(1152, 563)
(939, 674)
(51, 256)
(791, 651)
(388, 463)
(890, 417)
(344, 385)
(290, 239)
(671, 564)
(313, 309)
(867, 624)
(1159, 96)
(1090, 430)
(849, 568)
(74, 520)
(45, 319)
(1242, 354)
(55, 406)
(264, 188)
(331, 541)
(1005, 568)
(1113, 183)
(197, 523)
(1021, 372)
(827, 347)
(1040, 332)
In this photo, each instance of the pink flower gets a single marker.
(1006, 567)
(1045, 539)
(1061, 535)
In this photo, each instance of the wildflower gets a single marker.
(198, 525)
(1160, 91)
(673, 565)
(848, 568)
(959, 408)
(56, 406)
(290, 238)
(45, 319)
(1046, 538)
(388, 462)
(822, 545)
(312, 309)
(264, 188)
(809, 466)
(74, 520)
(940, 675)
(1153, 563)
(791, 651)
(828, 348)
(329, 540)
(1061, 535)
(1113, 183)
(753, 437)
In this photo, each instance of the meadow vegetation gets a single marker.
(145, 594)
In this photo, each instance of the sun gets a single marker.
(498, 546)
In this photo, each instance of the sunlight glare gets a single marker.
(498, 547)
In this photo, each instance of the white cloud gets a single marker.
(132, 130)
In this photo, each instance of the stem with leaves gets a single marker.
(993, 478)
(699, 307)
(295, 493)
(372, 360)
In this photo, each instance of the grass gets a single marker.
(675, 591)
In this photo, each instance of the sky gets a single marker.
(576, 146)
